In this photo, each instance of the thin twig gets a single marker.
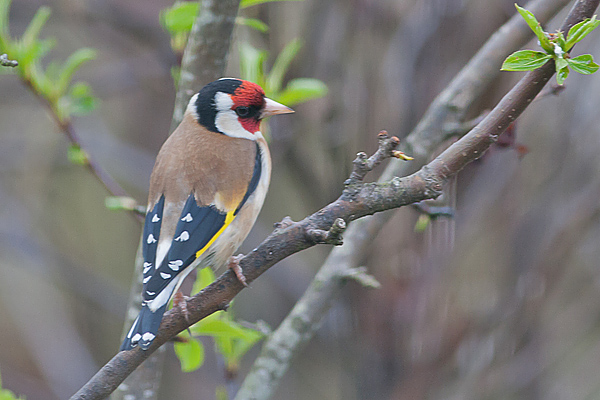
(363, 165)
(66, 127)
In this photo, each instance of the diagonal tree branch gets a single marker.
(448, 109)
(357, 200)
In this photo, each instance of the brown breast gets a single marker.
(217, 167)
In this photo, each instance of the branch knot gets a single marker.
(386, 149)
(332, 236)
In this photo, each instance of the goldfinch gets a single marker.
(207, 187)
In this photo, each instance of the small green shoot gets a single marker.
(77, 155)
(422, 223)
(178, 20)
(190, 353)
(555, 47)
(253, 23)
(123, 203)
(54, 83)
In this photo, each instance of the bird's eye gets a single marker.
(242, 111)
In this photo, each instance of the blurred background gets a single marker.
(500, 302)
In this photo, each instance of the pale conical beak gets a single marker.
(273, 108)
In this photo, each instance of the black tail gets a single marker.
(144, 329)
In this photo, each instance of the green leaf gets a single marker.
(561, 42)
(190, 354)
(216, 327)
(251, 63)
(233, 340)
(180, 17)
(281, 65)
(36, 51)
(525, 60)
(535, 26)
(253, 23)
(561, 75)
(40, 80)
(422, 223)
(584, 64)
(222, 327)
(71, 65)
(561, 63)
(82, 100)
(6, 394)
(300, 90)
(77, 155)
(249, 3)
(35, 26)
(580, 30)
(225, 347)
(233, 349)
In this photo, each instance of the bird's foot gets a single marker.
(234, 265)
(179, 300)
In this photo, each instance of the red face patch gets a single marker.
(252, 125)
(249, 95)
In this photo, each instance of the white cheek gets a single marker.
(227, 120)
(228, 123)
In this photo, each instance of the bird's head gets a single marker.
(233, 107)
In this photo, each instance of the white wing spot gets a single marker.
(148, 337)
(147, 266)
(151, 239)
(174, 265)
(165, 276)
(187, 218)
(183, 237)
(136, 338)
(146, 279)
(149, 293)
(155, 218)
